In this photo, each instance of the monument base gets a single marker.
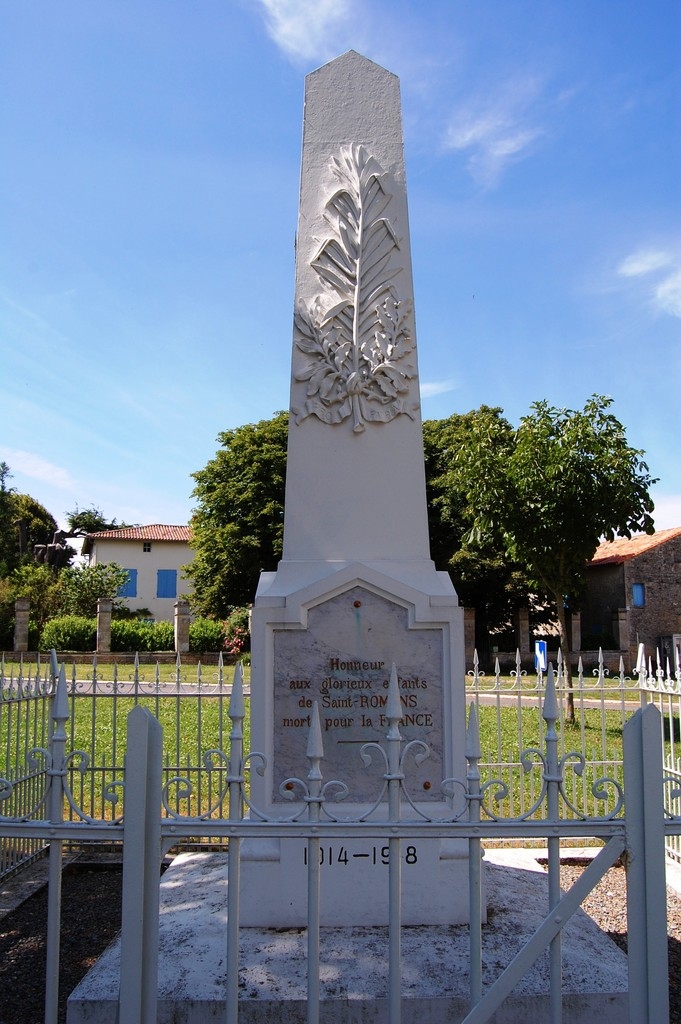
(324, 641)
(354, 962)
(274, 880)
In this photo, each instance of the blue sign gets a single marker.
(540, 655)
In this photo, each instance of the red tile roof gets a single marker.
(614, 552)
(155, 532)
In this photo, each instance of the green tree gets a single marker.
(8, 545)
(35, 525)
(80, 587)
(90, 520)
(24, 523)
(238, 524)
(485, 578)
(552, 489)
(40, 584)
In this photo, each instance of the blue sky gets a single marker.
(149, 179)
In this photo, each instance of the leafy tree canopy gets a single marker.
(484, 576)
(35, 524)
(40, 584)
(552, 489)
(81, 586)
(238, 525)
(24, 523)
(90, 520)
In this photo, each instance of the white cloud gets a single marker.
(37, 468)
(437, 387)
(645, 261)
(668, 294)
(496, 132)
(664, 269)
(305, 29)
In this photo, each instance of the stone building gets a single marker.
(633, 595)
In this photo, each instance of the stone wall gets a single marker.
(659, 570)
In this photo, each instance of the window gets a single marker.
(146, 545)
(166, 583)
(129, 588)
(638, 595)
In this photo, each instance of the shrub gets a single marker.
(6, 615)
(163, 636)
(133, 635)
(6, 633)
(33, 635)
(237, 632)
(69, 633)
(206, 635)
(130, 635)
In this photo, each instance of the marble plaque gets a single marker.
(342, 661)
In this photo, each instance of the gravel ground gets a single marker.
(91, 919)
(91, 916)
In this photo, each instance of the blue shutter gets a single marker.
(166, 583)
(129, 588)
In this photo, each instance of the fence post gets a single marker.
(473, 758)
(141, 869)
(104, 610)
(237, 713)
(22, 610)
(56, 771)
(182, 618)
(394, 776)
(646, 883)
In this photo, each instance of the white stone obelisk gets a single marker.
(355, 477)
(356, 589)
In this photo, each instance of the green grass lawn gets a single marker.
(192, 727)
(503, 736)
(206, 674)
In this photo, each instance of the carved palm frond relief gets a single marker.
(355, 338)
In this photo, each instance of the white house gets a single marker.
(153, 556)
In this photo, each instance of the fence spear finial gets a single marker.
(237, 709)
(54, 666)
(394, 707)
(550, 708)
(473, 751)
(315, 744)
(60, 707)
(641, 659)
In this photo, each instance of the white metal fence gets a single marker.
(660, 685)
(510, 712)
(151, 804)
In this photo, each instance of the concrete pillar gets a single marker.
(469, 635)
(522, 632)
(576, 632)
(104, 607)
(181, 627)
(22, 608)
